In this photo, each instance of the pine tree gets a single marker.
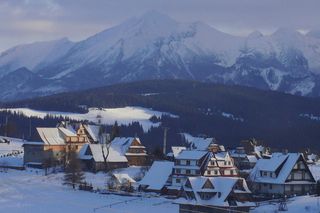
(115, 132)
(73, 173)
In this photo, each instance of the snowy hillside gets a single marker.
(154, 46)
(108, 116)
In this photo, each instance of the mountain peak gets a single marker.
(287, 32)
(255, 34)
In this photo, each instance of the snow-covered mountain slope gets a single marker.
(154, 46)
(33, 56)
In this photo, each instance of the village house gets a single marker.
(56, 142)
(122, 152)
(220, 164)
(215, 194)
(157, 178)
(282, 174)
(51, 148)
(187, 164)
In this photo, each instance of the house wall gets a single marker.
(137, 160)
(33, 153)
(39, 153)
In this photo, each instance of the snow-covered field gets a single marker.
(31, 192)
(125, 115)
(11, 154)
(295, 205)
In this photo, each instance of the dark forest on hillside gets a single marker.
(270, 116)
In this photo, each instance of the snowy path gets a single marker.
(23, 192)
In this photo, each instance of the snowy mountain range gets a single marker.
(154, 46)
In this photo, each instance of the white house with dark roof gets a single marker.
(282, 174)
(187, 164)
(215, 194)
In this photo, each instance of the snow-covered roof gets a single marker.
(199, 143)
(122, 178)
(157, 175)
(279, 161)
(177, 149)
(54, 136)
(93, 131)
(221, 188)
(117, 150)
(252, 158)
(191, 155)
(221, 155)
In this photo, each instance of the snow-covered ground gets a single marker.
(11, 154)
(125, 115)
(295, 205)
(14, 145)
(32, 192)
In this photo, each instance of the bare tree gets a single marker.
(73, 172)
(105, 148)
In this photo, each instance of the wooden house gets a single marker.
(282, 174)
(221, 164)
(120, 153)
(215, 194)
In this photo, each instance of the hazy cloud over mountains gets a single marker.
(24, 21)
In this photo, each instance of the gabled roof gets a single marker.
(222, 187)
(117, 150)
(221, 155)
(279, 161)
(191, 155)
(157, 175)
(54, 136)
(93, 131)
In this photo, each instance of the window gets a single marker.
(215, 172)
(231, 172)
(209, 172)
(188, 162)
(178, 162)
(265, 173)
(270, 186)
(178, 180)
(197, 172)
(178, 171)
(188, 171)
(229, 163)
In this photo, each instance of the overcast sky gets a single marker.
(24, 21)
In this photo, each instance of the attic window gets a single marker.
(208, 185)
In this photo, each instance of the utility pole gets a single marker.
(6, 130)
(29, 128)
(165, 140)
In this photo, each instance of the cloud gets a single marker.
(47, 19)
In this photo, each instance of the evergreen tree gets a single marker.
(73, 173)
(115, 131)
